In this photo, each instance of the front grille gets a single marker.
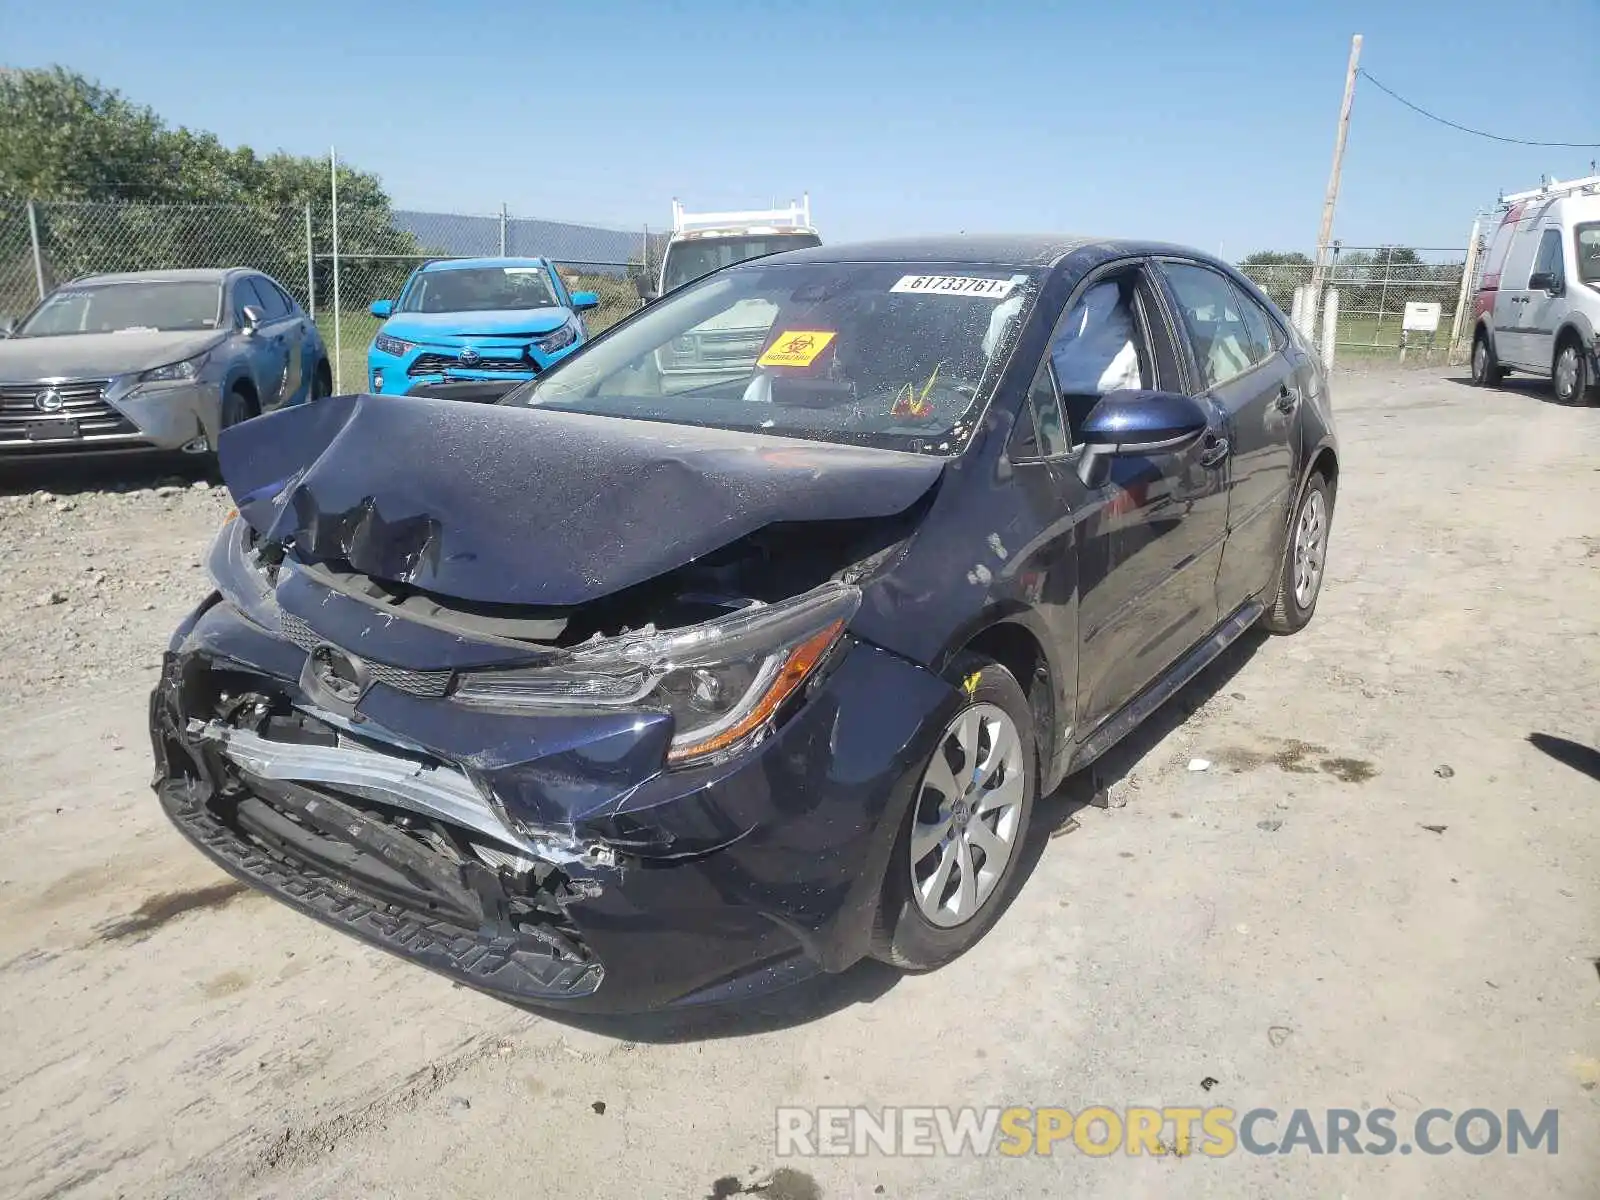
(438, 364)
(81, 401)
(432, 684)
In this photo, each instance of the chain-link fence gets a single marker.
(1375, 283)
(338, 269)
(335, 269)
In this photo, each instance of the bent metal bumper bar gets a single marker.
(435, 791)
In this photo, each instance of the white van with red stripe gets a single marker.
(1537, 308)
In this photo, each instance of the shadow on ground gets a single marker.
(72, 476)
(823, 995)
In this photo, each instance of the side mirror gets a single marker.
(252, 319)
(584, 301)
(645, 287)
(382, 309)
(1545, 281)
(1127, 424)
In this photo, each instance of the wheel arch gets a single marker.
(1013, 640)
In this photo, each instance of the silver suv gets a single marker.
(154, 361)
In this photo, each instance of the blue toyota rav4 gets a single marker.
(475, 320)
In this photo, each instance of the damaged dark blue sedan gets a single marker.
(740, 645)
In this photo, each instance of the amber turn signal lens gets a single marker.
(802, 660)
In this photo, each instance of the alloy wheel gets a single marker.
(969, 809)
(1480, 360)
(1310, 540)
(1566, 374)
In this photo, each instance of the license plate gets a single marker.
(52, 431)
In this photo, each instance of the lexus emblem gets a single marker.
(342, 677)
(469, 357)
(48, 400)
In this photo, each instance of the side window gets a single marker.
(1100, 346)
(1264, 338)
(1041, 431)
(1548, 259)
(1223, 346)
(291, 307)
(273, 302)
(245, 296)
(560, 286)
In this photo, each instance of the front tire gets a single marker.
(1570, 372)
(955, 863)
(238, 406)
(1486, 368)
(1304, 560)
(322, 382)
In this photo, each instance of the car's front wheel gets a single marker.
(1571, 374)
(322, 382)
(956, 861)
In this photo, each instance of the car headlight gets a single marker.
(722, 681)
(392, 345)
(178, 372)
(559, 340)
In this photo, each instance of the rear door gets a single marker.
(1243, 367)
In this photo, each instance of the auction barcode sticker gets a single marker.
(956, 285)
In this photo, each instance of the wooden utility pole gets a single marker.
(1325, 233)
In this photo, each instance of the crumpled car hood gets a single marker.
(99, 355)
(434, 327)
(528, 506)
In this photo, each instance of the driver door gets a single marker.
(1150, 535)
(265, 350)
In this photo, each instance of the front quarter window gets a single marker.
(894, 355)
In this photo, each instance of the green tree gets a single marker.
(120, 190)
(1276, 258)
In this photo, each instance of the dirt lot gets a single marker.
(1381, 893)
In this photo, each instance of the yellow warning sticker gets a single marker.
(796, 348)
(969, 685)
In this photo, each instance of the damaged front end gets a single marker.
(679, 790)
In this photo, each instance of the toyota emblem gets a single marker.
(49, 400)
(469, 357)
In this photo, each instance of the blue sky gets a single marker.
(1210, 124)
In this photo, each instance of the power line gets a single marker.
(1495, 137)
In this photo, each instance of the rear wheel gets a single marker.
(1486, 368)
(1304, 559)
(322, 382)
(956, 860)
(1570, 372)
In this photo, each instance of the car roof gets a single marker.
(190, 275)
(1006, 250)
(455, 264)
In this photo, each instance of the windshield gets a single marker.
(893, 355)
(1589, 253)
(479, 289)
(114, 307)
(688, 261)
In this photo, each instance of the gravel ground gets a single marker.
(1383, 891)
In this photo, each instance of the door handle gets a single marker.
(1288, 398)
(1213, 450)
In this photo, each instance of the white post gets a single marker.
(1297, 307)
(38, 258)
(338, 341)
(1330, 327)
(1468, 269)
(502, 231)
(311, 265)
